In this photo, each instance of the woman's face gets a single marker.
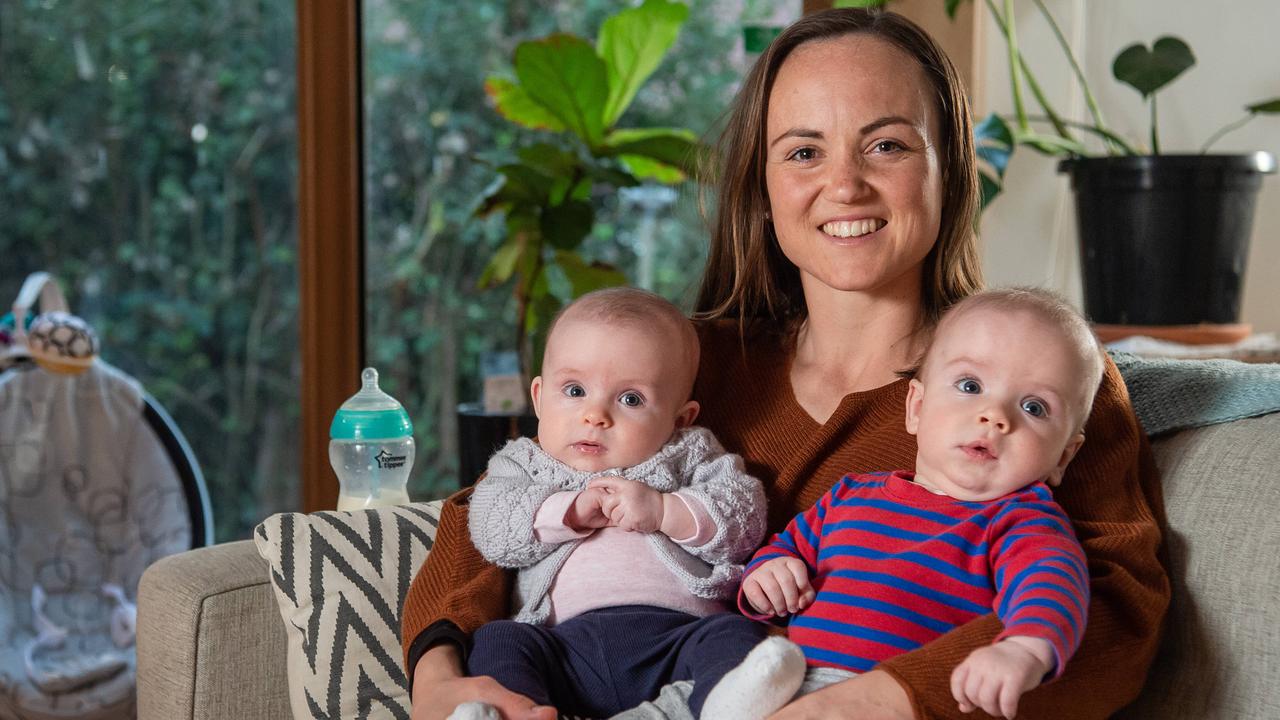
(852, 166)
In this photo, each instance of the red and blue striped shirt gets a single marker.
(895, 566)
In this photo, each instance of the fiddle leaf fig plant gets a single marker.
(575, 93)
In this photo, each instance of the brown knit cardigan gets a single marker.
(1111, 491)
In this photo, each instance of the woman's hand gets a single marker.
(872, 696)
(439, 687)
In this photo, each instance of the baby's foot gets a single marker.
(475, 711)
(765, 680)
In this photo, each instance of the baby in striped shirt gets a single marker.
(886, 562)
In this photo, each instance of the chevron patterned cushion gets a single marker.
(340, 579)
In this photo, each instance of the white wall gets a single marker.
(1029, 232)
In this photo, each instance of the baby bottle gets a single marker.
(371, 448)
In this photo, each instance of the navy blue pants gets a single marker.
(605, 661)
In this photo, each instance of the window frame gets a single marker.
(330, 231)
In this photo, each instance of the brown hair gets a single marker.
(636, 308)
(747, 277)
(1051, 309)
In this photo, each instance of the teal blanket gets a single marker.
(1171, 395)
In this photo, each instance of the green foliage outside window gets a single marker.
(148, 160)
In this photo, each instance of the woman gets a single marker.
(844, 226)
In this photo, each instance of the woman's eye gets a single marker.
(969, 386)
(804, 154)
(631, 399)
(1034, 408)
(886, 146)
(574, 390)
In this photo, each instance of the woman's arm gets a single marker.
(453, 594)
(439, 687)
(1112, 494)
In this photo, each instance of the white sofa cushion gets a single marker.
(340, 579)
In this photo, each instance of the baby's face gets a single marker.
(610, 395)
(997, 407)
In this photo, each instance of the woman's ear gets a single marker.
(535, 392)
(915, 397)
(687, 414)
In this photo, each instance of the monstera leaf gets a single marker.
(1149, 70)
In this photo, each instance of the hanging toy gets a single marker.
(62, 343)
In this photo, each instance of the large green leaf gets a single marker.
(563, 73)
(646, 168)
(565, 225)
(1149, 70)
(994, 145)
(1267, 107)
(514, 104)
(633, 43)
(520, 184)
(584, 277)
(548, 159)
(502, 264)
(673, 146)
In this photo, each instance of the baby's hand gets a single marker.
(587, 511)
(779, 587)
(995, 676)
(630, 505)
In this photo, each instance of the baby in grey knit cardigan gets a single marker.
(628, 527)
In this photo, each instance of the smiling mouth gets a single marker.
(853, 228)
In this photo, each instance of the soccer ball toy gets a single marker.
(61, 342)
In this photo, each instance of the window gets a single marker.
(148, 159)
(431, 143)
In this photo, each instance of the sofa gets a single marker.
(212, 643)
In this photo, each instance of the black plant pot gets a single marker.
(481, 433)
(1164, 238)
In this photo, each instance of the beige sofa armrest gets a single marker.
(211, 644)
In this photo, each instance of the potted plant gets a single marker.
(574, 93)
(1180, 223)
(1163, 237)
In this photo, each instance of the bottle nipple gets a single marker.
(370, 413)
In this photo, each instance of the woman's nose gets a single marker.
(847, 181)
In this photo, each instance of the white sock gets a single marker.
(763, 682)
(475, 711)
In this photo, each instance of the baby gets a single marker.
(886, 562)
(628, 526)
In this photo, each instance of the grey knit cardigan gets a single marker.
(522, 476)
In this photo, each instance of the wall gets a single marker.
(1029, 232)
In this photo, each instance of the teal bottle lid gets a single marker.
(370, 414)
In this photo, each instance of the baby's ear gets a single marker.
(915, 398)
(1073, 446)
(535, 393)
(687, 414)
